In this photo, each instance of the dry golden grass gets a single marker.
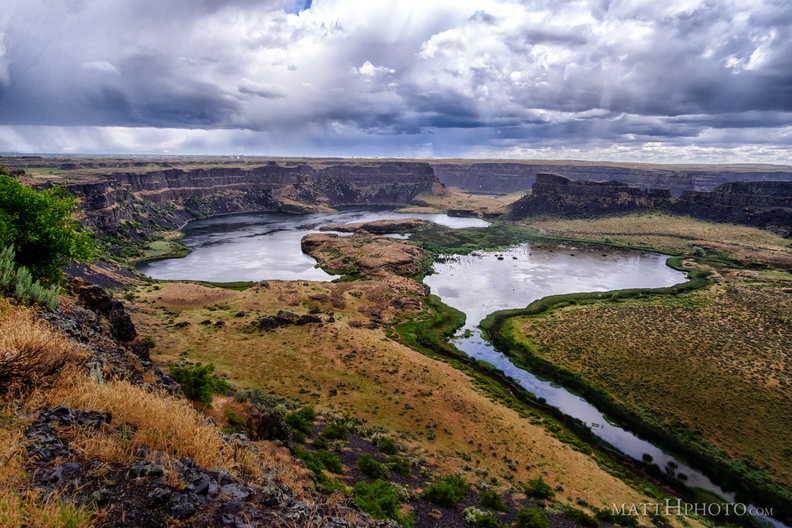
(716, 362)
(21, 505)
(157, 420)
(355, 369)
(674, 233)
(454, 198)
(31, 352)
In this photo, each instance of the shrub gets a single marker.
(330, 461)
(399, 465)
(336, 431)
(580, 517)
(18, 283)
(388, 446)
(480, 519)
(39, 225)
(197, 382)
(492, 499)
(321, 443)
(446, 491)
(380, 501)
(31, 351)
(622, 519)
(150, 341)
(531, 518)
(538, 488)
(300, 422)
(371, 467)
(236, 424)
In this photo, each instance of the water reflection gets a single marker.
(258, 246)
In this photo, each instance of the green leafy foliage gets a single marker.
(622, 519)
(40, 227)
(197, 382)
(371, 467)
(317, 463)
(17, 282)
(446, 491)
(399, 465)
(492, 499)
(531, 518)
(580, 517)
(300, 422)
(330, 461)
(480, 519)
(538, 488)
(381, 501)
(336, 431)
(388, 446)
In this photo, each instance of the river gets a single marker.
(254, 247)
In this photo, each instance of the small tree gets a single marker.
(531, 518)
(197, 382)
(41, 228)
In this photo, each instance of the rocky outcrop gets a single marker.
(379, 227)
(514, 176)
(766, 205)
(557, 195)
(171, 197)
(760, 204)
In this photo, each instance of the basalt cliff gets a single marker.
(168, 198)
(508, 177)
(766, 204)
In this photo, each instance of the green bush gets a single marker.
(492, 499)
(40, 227)
(538, 488)
(622, 519)
(371, 467)
(197, 382)
(336, 431)
(330, 461)
(320, 443)
(446, 491)
(300, 422)
(17, 282)
(480, 519)
(580, 517)
(381, 501)
(236, 424)
(388, 446)
(531, 518)
(398, 465)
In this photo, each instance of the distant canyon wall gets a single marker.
(765, 204)
(168, 198)
(509, 177)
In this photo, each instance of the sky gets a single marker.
(661, 81)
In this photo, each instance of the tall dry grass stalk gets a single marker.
(159, 421)
(21, 506)
(31, 352)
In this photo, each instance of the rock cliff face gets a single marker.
(767, 205)
(508, 177)
(552, 194)
(760, 204)
(171, 197)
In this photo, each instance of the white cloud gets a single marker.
(459, 74)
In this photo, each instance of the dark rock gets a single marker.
(307, 319)
(99, 301)
(183, 324)
(181, 506)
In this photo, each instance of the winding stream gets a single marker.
(253, 247)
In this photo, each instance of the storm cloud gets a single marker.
(682, 80)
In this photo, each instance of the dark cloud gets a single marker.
(448, 76)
